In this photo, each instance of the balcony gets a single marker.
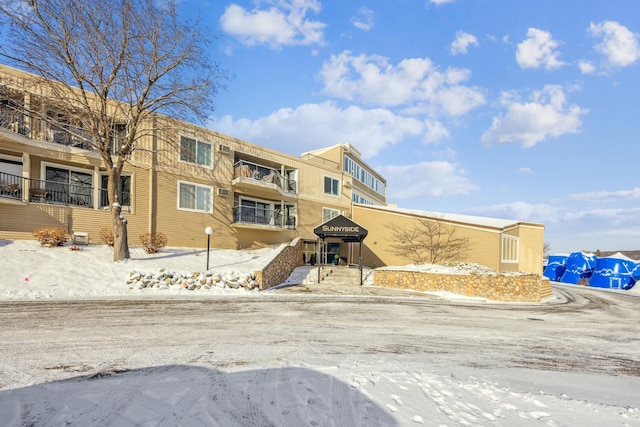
(266, 181)
(263, 218)
(55, 193)
(17, 120)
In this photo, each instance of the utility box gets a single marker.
(80, 238)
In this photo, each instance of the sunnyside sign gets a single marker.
(341, 227)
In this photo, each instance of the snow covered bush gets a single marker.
(152, 243)
(51, 236)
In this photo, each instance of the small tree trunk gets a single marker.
(120, 240)
(118, 221)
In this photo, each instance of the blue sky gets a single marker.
(524, 110)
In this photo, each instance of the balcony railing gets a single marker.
(55, 193)
(244, 169)
(18, 121)
(262, 216)
(10, 186)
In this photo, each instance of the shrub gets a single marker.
(106, 235)
(51, 236)
(152, 243)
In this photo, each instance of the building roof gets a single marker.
(458, 218)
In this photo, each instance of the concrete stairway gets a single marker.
(340, 275)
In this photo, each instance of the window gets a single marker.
(328, 214)
(331, 186)
(193, 151)
(509, 249)
(264, 212)
(116, 138)
(357, 198)
(257, 212)
(358, 172)
(69, 187)
(195, 197)
(290, 216)
(124, 190)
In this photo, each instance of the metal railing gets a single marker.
(10, 186)
(262, 216)
(56, 193)
(17, 120)
(321, 160)
(244, 169)
(256, 215)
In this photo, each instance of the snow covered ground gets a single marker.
(79, 347)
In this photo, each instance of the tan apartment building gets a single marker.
(184, 178)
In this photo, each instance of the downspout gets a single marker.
(153, 180)
(26, 176)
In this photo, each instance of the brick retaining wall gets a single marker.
(279, 269)
(496, 287)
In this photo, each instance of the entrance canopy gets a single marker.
(343, 228)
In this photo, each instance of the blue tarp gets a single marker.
(579, 266)
(616, 273)
(555, 267)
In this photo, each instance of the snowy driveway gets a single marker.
(292, 359)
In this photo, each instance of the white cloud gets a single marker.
(435, 131)
(310, 126)
(605, 196)
(462, 42)
(363, 20)
(538, 50)
(572, 229)
(439, 2)
(426, 179)
(413, 82)
(619, 45)
(546, 115)
(604, 218)
(586, 67)
(526, 170)
(283, 24)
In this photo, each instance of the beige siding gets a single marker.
(378, 250)
(531, 248)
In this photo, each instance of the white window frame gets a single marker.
(130, 175)
(337, 187)
(196, 185)
(330, 215)
(198, 142)
(509, 249)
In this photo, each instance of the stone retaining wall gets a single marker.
(279, 269)
(496, 287)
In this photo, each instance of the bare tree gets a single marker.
(110, 65)
(428, 241)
